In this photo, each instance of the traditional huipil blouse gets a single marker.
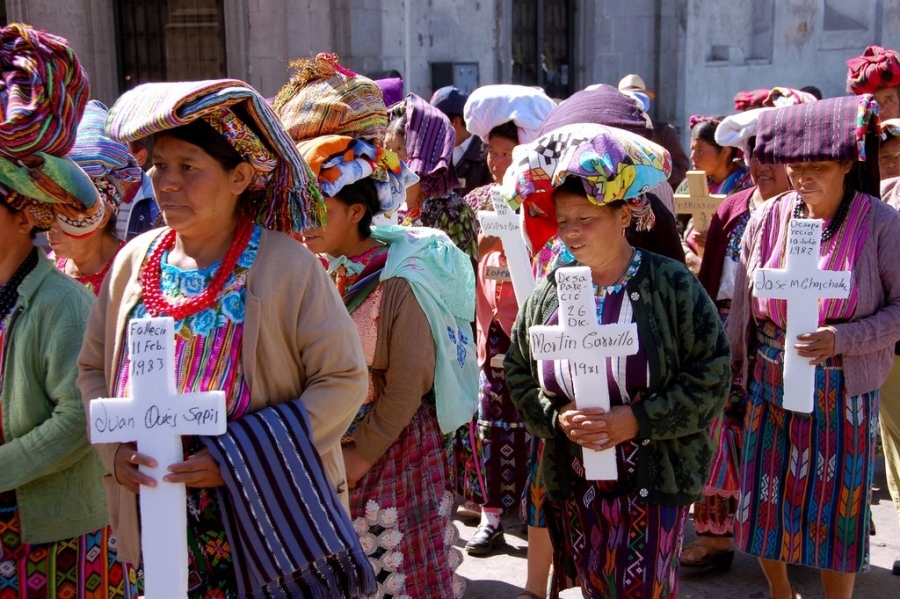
(839, 253)
(207, 353)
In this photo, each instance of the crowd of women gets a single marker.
(323, 268)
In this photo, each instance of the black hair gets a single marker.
(812, 89)
(201, 134)
(575, 186)
(507, 130)
(705, 131)
(34, 230)
(361, 192)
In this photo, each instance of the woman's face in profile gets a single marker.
(396, 143)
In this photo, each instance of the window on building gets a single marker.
(170, 40)
(542, 44)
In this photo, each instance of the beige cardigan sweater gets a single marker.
(298, 343)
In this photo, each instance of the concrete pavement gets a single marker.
(500, 575)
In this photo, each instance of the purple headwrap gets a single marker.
(602, 104)
(429, 147)
(836, 129)
(392, 90)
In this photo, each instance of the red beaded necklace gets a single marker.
(155, 301)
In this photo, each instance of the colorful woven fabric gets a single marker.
(429, 146)
(747, 100)
(42, 98)
(208, 348)
(876, 68)
(246, 143)
(43, 94)
(84, 566)
(337, 160)
(322, 555)
(401, 511)
(613, 164)
(604, 535)
(785, 96)
(845, 128)
(841, 252)
(116, 175)
(290, 203)
(324, 98)
(492, 105)
(805, 478)
(601, 104)
(496, 474)
(452, 215)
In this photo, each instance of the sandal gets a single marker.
(710, 559)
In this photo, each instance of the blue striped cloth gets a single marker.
(289, 533)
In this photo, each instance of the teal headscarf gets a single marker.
(442, 279)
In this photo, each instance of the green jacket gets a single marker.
(690, 376)
(45, 456)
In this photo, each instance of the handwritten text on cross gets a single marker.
(156, 417)
(505, 224)
(698, 202)
(802, 284)
(588, 346)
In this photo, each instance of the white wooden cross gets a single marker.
(157, 417)
(506, 224)
(698, 202)
(802, 284)
(588, 346)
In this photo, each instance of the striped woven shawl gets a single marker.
(289, 533)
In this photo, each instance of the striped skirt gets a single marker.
(83, 567)
(805, 478)
(401, 512)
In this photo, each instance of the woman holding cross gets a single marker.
(589, 181)
(256, 317)
(805, 478)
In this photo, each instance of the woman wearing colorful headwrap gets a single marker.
(725, 174)
(877, 72)
(405, 289)
(600, 105)
(56, 541)
(805, 478)
(120, 181)
(714, 513)
(491, 454)
(256, 317)
(662, 398)
(422, 136)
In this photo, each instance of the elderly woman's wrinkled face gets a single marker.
(706, 157)
(889, 158)
(771, 179)
(888, 99)
(819, 183)
(499, 156)
(592, 233)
